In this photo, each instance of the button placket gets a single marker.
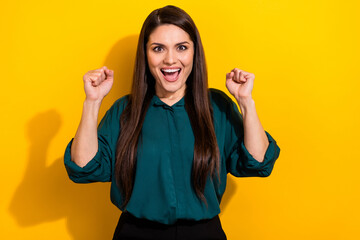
(178, 168)
(170, 120)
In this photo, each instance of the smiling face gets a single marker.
(170, 54)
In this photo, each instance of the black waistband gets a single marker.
(129, 218)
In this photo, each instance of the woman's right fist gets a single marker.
(98, 82)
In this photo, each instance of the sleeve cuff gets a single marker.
(76, 173)
(271, 154)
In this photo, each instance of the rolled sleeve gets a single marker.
(240, 162)
(265, 167)
(100, 167)
(96, 170)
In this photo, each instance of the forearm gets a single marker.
(85, 144)
(255, 139)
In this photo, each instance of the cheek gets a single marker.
(152, 60)
(151, 67)
(154, 73)
(188, 59)
(188, 62)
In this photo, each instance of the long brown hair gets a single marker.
(197, 104)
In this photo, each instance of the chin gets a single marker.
(171, 87)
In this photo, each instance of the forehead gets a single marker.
(168, 33)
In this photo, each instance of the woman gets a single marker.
(168, 146)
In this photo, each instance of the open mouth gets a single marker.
(171, 74)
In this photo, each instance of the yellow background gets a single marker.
(304, 54)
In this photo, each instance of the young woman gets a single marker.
(167, 147)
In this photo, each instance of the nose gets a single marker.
(170, 57)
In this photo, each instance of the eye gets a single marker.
(157, 49)
(182, 47)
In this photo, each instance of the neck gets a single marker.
(170, 98)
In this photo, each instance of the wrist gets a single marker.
(92, 102)
(245, 104)
(92, 107)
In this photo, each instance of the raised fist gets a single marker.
(98, 82)
(240, 83)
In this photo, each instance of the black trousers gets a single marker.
(131, 227)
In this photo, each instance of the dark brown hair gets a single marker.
(197, 104)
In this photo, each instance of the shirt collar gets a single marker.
(157, 102)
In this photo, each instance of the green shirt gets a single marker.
(163, 189)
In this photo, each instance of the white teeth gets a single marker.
(170, 70)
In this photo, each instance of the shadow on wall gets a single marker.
(46, 194)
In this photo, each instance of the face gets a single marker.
(170, 54)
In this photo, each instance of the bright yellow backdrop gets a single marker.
(304, 54)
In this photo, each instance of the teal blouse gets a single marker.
(163, 189)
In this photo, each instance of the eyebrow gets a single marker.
(160, 44)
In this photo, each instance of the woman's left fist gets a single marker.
(240, 83)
